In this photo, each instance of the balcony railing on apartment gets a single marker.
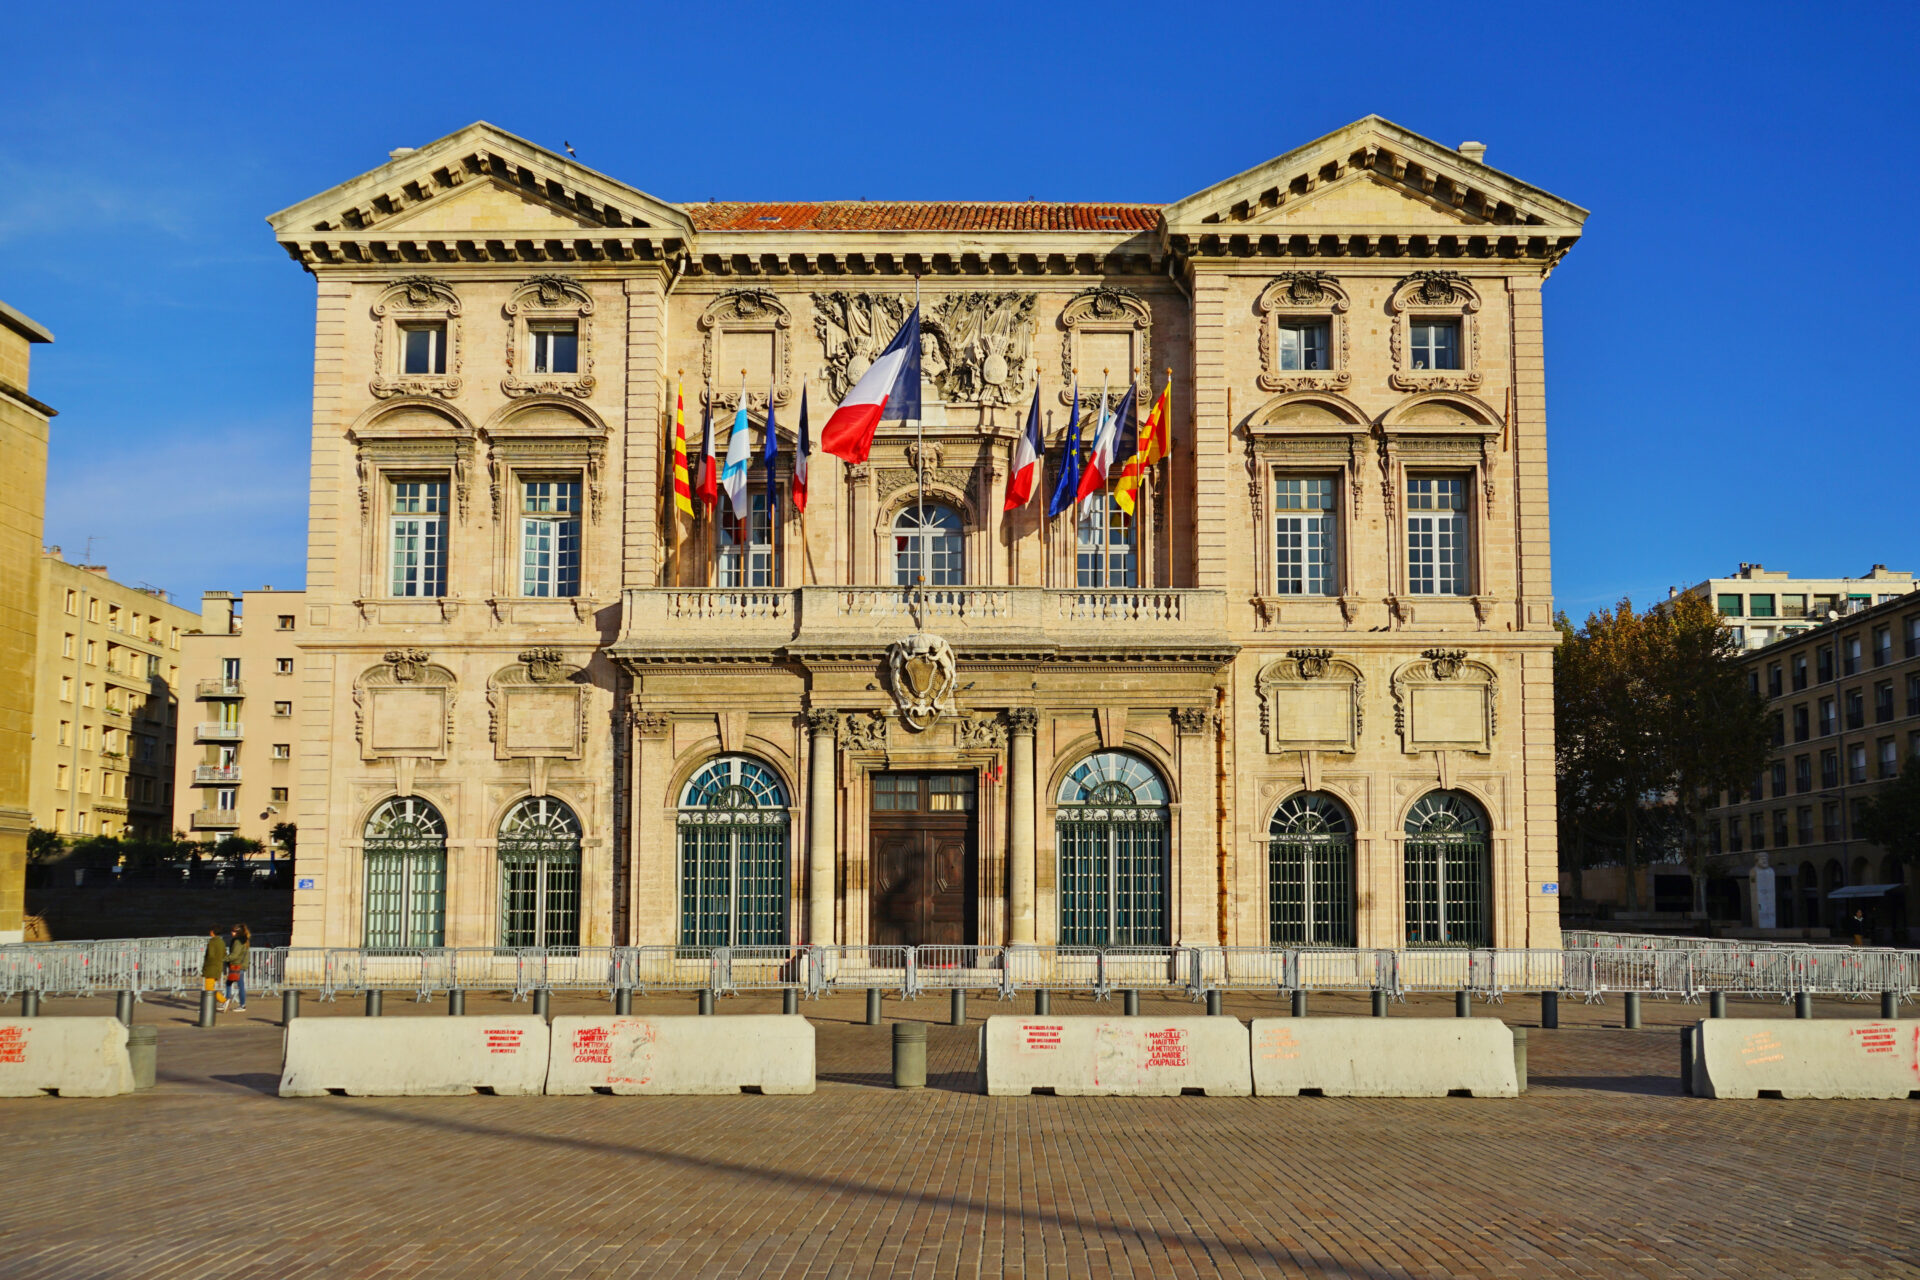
(206, 773)
(219, 731)
(215, 819)
(218, 688)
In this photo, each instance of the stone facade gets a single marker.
(23, 503)
(1362, 313)
(1764, 605)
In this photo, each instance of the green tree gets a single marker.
(1891, 819)
(44, 846)
(286, 835)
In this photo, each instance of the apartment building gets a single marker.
(1845, 702)
(24, 425)
(1766, 605)
(106, 703)
(234, 769)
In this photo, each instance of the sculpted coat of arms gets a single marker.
(920, 675)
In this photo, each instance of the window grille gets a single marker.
(927, 539)
(1112, 830)
(539, 851)
(1447, 872)
(733, 856)
(1303, 536)
(1310, 873)
(405, 850)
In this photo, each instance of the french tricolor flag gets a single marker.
(889, 391)
(798, 485)
(1026, 459)
(1106, 442)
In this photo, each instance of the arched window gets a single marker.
(540, 875)
(1447, 872)
(1310, 873)
(405, 849)
(733, 856)
(1112, 837)
(927, 540)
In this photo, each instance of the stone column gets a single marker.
(1020, 817)
(820, 824)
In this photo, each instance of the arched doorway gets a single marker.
(733, 855)
(1111, 831)
(405, 850)
(539, 849)
(1447, 872)
(1310, 873)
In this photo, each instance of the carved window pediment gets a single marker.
(754, 326)
(403, 708)
(1106, 328)
(1434, 295)
(420, 300)
(548, 299)
(412, 434)
(1296, 297)
(546, 434)
(1312, 701)
(536, 708)
(1446, 701)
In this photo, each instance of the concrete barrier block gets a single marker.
(73, 1057)
(1807, 1058)
(1083, 1057)
(767, 1053)
(1383, 1057)
(408, 1057)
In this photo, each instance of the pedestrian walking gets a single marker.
(1857, 922)
(239, 947)
(213, 965)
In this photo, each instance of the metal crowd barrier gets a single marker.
(1758, 970)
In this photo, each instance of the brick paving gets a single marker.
(1602, 1169)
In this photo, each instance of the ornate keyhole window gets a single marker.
(539, 851)
(733, 856)
(1310, 873)
(405, 850)
(1111, 830)
(1447, 872)
(927, 540)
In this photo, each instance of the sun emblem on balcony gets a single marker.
(920, 675)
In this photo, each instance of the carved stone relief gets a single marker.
(422, 300)
(1446, 701)
(1433, 293)
(921, 677)
(747, 311)
(548, 298)
(1312, 701)
(982, 345)
(853, 328)
(1104, 309)
(864, 731)
(450, 447)
(403, 707)
(1298, 296)
(979, 734)
(536, 707)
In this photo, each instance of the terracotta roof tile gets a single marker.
(910, 215)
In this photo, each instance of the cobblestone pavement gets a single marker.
(1602, 1169)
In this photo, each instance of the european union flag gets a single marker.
(1068, 484)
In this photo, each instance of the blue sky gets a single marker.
(1731, 349)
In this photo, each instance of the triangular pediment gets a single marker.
(480, 179)
(1372, 174)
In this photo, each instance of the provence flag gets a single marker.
(1068, 485)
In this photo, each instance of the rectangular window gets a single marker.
(1889, 758)
(1882, 646)
(1779, 828)
(283, 666)
(1829, 769)
(1856, 708)
(66, 688)
(550, 537)
(1773, 680)
(65, 735)
(1436, 344)
(1850, 659)
(283, 709)
(1857, 762)
(1793, 606)
(283, 751)
(1758, 822)
(1736, 835)
(1779, 723)
(1913, 694)
(418, 532)
(1913, 636)
(1883, 702)
(1437, 536)
(73, 601)
(1823, 663)
(1779, 776)
(278, 794)
(230, 670)
(60, 776)
(1799, 672)
(423, 348)
(1104, 550)
(286, 622)
(1304, 544)
(1732, 606)
(1828, 719)
(1760, 606)
(1302, 346)
(1802, 774)
(93, 653)
(86, 695)
(1803, 824)
(556, 347)
(66, 646)
(749, 566)
(226, 800)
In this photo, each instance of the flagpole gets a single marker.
(1106, 510)
(674, 431)
(920, 475)
(1166, 431)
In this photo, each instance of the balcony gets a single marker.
(218, 689)
(218, 731)
(216, 820)
(206, 774)
(676, 624)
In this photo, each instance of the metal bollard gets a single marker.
(873, 1006)
(289, 1006)
(456, 1003)
(1520, 1057)
(1717, 1004)
(1299, 1004)
(1549, 1010)
(622, 1001)
(207, 1010)
(1379, 1003)
(29, 1004)
(1130, 1002)
(909, 1055)
(957, 1008)
(1686, 1061)
(123, 1007)
(706, 1001)
(373, 1004)
(1632, 1002)
(1213, 1004)
(1889, 1005)
(542, 1003)
(1042, 1004)
(1803, 1005)
(1463, 1004)
(789, 1001)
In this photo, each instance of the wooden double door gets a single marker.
(925, 882)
